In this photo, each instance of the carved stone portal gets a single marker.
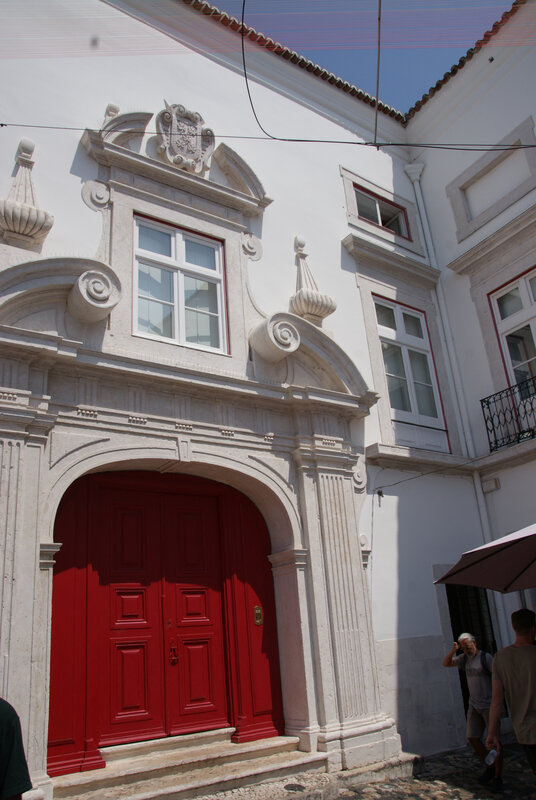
(182, 140)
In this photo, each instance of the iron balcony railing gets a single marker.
(510, 415)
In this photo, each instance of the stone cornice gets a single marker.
(110, 154)
(413, 458)
(390, 261)
(58, 351)
(506, 457)
(517, 232)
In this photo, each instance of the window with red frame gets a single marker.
(515, 314)
(382, 212)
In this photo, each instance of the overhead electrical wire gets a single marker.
(462, 147)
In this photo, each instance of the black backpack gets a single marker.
(485, 669)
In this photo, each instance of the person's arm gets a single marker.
(447, 661)
(495, 710)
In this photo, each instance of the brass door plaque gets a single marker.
(257, 615)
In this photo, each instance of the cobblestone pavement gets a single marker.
(452, 777)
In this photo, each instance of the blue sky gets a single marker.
(421, 39)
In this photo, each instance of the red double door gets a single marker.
(163, 619)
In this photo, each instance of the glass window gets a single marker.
(412, 325)
(385, 316)
(156, 241)
(509, 303)
(179, 302)
(382, 212)
(411, 382)
(515, 313)
(202, 255)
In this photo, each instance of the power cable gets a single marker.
(461, 147)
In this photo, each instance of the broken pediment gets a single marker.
(290, 350)
(172, 147)
(32, 293)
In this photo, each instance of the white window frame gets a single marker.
(381, 204)
(375, 231)
(176, 264)
(407, 342)
(525, 316)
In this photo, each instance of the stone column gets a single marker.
(297, 668)
(353, 728)
(25, 601)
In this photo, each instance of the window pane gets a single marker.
(385, 316)
(392, 358)
(200, 294)
(155, 318)
(419, 367)
(398, 393)
(532, 284)
(155, 241)
(509, 303)
(522, 353)
(392, 218)
(413, 325)
(202, 328)
(367, 207)
(425, 400)
(155, 282)
(200, 254)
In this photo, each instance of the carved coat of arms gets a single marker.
(182, 139)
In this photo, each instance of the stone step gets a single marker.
(172, 772)
(166, 745)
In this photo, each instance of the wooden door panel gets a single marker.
(197, 656)
(125, 620)
(195, 683)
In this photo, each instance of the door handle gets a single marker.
(172, 655)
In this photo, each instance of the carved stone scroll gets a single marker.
(275, 338)
(93, 296)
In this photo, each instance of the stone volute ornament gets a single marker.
(22, 222)
(182, 140)
(308, 302)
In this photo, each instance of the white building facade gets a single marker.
(241, 381)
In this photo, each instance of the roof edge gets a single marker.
(516, 5)
(278, 49)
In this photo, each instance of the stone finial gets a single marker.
(308, 302)
(22, 222)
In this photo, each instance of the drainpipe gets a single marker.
(414, 172)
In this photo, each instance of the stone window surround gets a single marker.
(425, 347)
(456, 189)
(491, 265)
(351, 181)
(504, 327)
(402, 279)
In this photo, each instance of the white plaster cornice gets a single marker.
(390, 261)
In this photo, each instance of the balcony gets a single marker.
(510, 415)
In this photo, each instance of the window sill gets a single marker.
(398, 456)
(391, 261)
